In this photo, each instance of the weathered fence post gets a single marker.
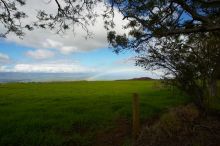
(136, 116)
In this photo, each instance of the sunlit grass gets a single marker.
(50, 114)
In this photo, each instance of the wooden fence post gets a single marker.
(136, 116)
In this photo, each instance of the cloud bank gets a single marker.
(47, 68)
(47, 44)
(4, 58)
(40, 54)
(68, 42)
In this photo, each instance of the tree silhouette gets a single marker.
(179, 37)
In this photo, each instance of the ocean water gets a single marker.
(41, 77)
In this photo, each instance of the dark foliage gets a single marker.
(193, 61)
(149, 19)
(179, 37)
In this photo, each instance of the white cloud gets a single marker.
(68, 42)
(48, 68)
(68, 49)
(3, 68)
(51, 44)
(40, 54)
(4, 58)
(92, 73)
(60, 47)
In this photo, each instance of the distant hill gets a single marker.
(141, 78)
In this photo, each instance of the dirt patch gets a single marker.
(115, 136)
(80, 134)
(182, 126)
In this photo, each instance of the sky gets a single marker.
(44, 51)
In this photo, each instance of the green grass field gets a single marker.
(73, 113)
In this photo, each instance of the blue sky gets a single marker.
(102, 62)
(45, 51)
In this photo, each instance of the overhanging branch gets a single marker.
(188, 31)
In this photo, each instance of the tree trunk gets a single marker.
(213, 88)
(199, 98)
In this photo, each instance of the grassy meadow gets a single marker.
(77, 113)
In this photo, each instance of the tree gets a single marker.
(191, 64)
(161, 18)
(180, 37)
(69, 13)
(156, 17)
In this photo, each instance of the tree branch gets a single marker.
(58, 4)
(6, 7)
(210, 3)
(188, 31)
(191, 11)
